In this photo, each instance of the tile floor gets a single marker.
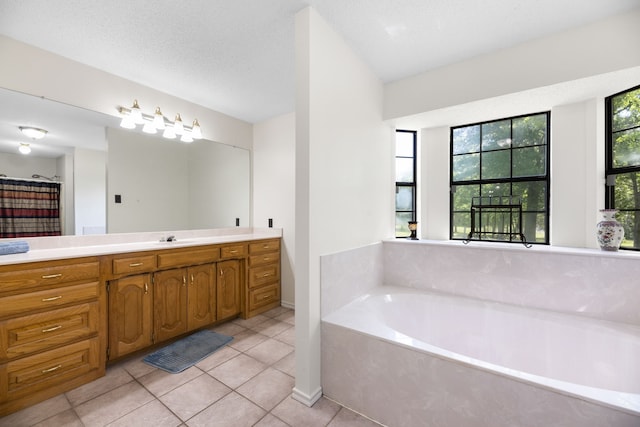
(247, 383)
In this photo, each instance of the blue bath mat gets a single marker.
(188, 351)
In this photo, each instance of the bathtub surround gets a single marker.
(414, 386)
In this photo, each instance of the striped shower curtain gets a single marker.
(29, 208)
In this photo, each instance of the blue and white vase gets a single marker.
(609, 231)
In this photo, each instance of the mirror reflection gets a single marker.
(117, 180)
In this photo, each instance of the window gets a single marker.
(405, 181)
(623, 162)
(507, 157)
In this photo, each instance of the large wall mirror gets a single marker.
(116, 180)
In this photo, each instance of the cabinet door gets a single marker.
(201, 296)
(170, 303)
(130, 311)
(228, 288)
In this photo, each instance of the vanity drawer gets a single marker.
(263, 296)
(28, 334)
(233, 251)
(266, 258)
(259, 276)
(38, 372)
(264, 246)
(188, 257)
(20, 280)
(137, 264)
(50, 298)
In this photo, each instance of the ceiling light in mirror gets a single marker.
(158, 119)
(178, 128)
(24, 148)
(33, 133)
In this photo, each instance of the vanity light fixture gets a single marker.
(24, 148)
(33, 133)
(131, 117)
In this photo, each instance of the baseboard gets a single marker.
(286, 304)
(306, 399)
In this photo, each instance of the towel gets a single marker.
(14, 247)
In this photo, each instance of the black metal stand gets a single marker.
(497, 216)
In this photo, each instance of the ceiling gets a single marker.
(237, 56)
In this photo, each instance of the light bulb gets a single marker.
(186, 137)
(178, 128)
(127, 122)
(24, 148)
(195, 130)
(149, 127)
(169, 133)
(136, 113)
(158, 119)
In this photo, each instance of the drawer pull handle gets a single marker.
(266, 275)
(52, 276)
(51, 329)
(135, 264)
(233, 251)
(51, 298)
(266, 297)
(192, 278)
(184, 280)
(146, 288)
(55, 368)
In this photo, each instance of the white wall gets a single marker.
(219, 185)
(90, 191)
(601, 47)
(23, 166)
(344, 193)
(151, 182)
(434, 185)
(274, 143)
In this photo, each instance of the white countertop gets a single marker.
(52, 248)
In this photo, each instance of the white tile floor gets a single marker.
(247, 383)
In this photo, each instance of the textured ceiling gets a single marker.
(237, 56)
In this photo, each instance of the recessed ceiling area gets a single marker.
(237, 57)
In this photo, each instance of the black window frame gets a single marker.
(545, 178)
(412, 185)
(612, 172)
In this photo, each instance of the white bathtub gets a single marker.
(411, 358)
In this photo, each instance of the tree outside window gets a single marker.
(623, 162)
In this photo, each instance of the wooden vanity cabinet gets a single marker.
(130, 314)
(229, 288)
(170, 303)
(52, 329)
(263, 287)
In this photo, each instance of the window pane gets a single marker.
(466, 167)
(530, 161)
(463, 195)
(404, 144)
(626, 148)
(404, 198)
(630, 220)
(530, 130)
(466, 140)
(627, 190)
(496, 164)
(402, 224)
(404, 170)
(496, 189)
(461, 225)
(534, 227)
(533, 195)
(496, 135)
(626, 110)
